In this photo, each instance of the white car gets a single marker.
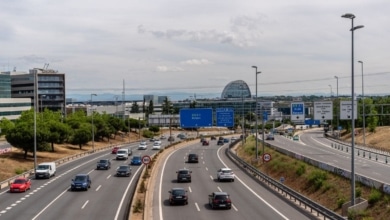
(142, 146)
(225, 174)
(158, 142)
(156, 146)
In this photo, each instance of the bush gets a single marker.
(19, 171)
(147, 134)
(142, 187)
(138, 206)
(317, 178)
(358, 192)
(340, 202)
(374, 196)
(300, 170)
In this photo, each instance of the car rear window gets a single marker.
(178, 192)
(221, 197)
(183, 172)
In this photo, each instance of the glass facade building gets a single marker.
(5, 85)
(236, 89)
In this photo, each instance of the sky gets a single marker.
(197, 46)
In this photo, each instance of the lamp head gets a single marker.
(348, 15)
(360, 61)
(254, 67)
(336, 77)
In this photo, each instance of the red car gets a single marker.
(205, 143)
(114, 150)
(20, 184)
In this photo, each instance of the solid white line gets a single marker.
(160, 185)
(197, 207)
(86, 202)
(252, 191)
(219, 189)
(39, 213)
(108, 177)
(189, 189)
(235, 208)
(207, 168)
(211, 177)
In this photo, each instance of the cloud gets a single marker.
(168, 69)
(197, 62)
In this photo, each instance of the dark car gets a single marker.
(81, 182)
(270, 137)
(103, 164)
(220, 138)
(123, 170)
(213, 138)
(136, 160)
(193, 158)
(205, 143)
(183, 175)
(225, 140)
(220, 200)
(171, 138)
(220, 142)
(178, 196)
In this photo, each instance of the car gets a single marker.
(213, 138)
(171, 138)
(130, 152)
(296, 138)
(152, 139)
(162, 137)
(103, 164)
(225, 140)
(20, 184)
(193, 158)
(270, 137)
(122, 154)
(205, 143)
(220, 142)
(202, 139)
(142, 145)
(220, 200)
(156, 146)
(233, 139)
(178, 196)
(181, 136)
(221, 138)
(114, 150)
(123, 170)
(225, 174)
(158, 142)
(184, 175)
(81, 182)
(136, 160)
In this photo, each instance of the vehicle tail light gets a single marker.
(215, 201)
(228, 201)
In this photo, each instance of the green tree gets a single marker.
(58, 132)
(134, 108)
(167, 107)
(82, 135)
(5, 126)
(154, 129)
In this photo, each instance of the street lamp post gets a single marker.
(93, 132)
(364, 115)
(242, 109)
(257, 116)
(337, 94)
(353, 28)
(41, 98)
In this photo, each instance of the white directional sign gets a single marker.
(323, 110)
(298, 112)
(346, 110)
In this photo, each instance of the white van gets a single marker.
(122, 154)
(45, 170)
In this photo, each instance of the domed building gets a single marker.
(236, 89)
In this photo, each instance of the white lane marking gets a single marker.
(108, 177)
(160, 185)
(197, 207)
(234, 207)
(189, 189)
(252, 191)
(219, 189)
(211, 177)
(48, 205)
(207, 168)
(85, 204)
(97, 189)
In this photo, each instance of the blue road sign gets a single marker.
(265, 116)
(225, 117)
(196, 117)
(297, 109)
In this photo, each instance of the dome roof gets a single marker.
(236, 89)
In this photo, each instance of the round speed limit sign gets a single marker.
(146, 159)
(266, 157)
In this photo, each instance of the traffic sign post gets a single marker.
(225, 117)
(266, 157)
(146, 159)
(298, 112)
(323, 110)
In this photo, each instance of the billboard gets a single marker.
(196, 117)
(225, 117)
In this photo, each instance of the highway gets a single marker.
(108, 197)
(250, 199)
(314, 145)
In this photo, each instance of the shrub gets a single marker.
(358, 192)
(138, 206)
(340, 202)
(317, 178)
(300, 170)
(142, 187)
(19, 171)
(374, 196)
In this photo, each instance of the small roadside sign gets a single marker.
(266, 157)
(146, 159)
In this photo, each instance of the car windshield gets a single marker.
(19, 181)
(121, 152)
(226, 171)
(43, 167)
(80, 178)
(103, 161)
(123, 167)
(183, 171)
(137, 158)
(178, 192)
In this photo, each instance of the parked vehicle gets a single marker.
(122, 154)
(45, 170)
(178, 196)
(81, 182)
(220, 200)
(20, 184)
(103, 164)
(123, 170)
(183, 175)
(225, 174)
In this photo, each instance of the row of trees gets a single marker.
(52, 128)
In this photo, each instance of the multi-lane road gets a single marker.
(250, 199)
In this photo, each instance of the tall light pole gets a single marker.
(93, 132)
(257, 116)
(242, 109)
(364, 115)
(353, 28)
(41, 98)
(337, 94)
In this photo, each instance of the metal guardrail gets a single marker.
(313, 207)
